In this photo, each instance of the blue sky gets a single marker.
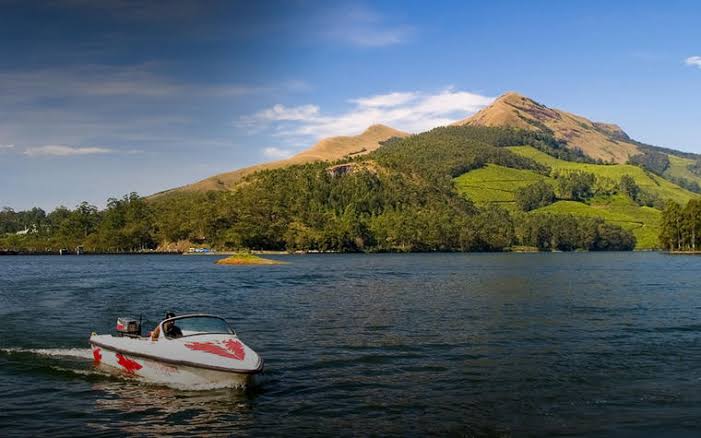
(98, 99)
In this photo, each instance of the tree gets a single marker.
(126, 225)
(495, 229)
(695, 167)
(566, 232)
(537, 195)
(8, 221)
(671, 230)
(613, 238)
(655, 162)
(85, 218)
(629, 187)
(692, 223)
(577, 186)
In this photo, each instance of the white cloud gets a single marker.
(277, 153)
(281, 112)
(6, 146)
(409, 111)
(385, 100)
(64, 151)
(694, 61)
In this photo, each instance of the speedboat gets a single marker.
(206, 353)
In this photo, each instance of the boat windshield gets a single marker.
(199, 325)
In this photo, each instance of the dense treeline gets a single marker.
(644, 147)
(695, 167)
(503, 137)
(567, 233)
(534, 196)
(655, 162)
(444, 153)
(681, 226)
(398, 198)
(256, 226)
(658, 162)
(688, 184)
(126, 224)
(581, 187)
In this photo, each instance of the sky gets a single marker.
(102, 98)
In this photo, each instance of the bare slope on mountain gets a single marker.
(328, 149)
(603, 141)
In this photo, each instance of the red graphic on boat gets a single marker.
(97, 355)
(231, 348)
(120, 326)
(129, 365)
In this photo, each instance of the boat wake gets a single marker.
(64, 361)
(69, 356)
(79, 353)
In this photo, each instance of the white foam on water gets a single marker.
(86, 353)
(89, 373)
(204, 386)
(82, 353)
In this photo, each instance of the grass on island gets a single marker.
(248, 259)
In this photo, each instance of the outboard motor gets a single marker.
(128, 327)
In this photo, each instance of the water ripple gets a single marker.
(403, 345)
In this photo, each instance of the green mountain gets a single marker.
(404, 196)
(480, 185)
(484, 162)
(660, 174)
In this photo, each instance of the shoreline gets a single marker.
(55, 253)
(267, 252)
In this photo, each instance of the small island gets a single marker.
(248, 259)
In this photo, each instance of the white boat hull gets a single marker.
(204, 353)
(168, 374)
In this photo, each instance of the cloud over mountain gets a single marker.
(410, 111)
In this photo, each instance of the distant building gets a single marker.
(28, 230)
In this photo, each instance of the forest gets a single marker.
(399, 198)
(681, 226)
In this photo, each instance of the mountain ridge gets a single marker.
(599, 140)
(326, 149)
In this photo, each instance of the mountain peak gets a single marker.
(603, 141)
(376, 127)
(327, 149)
(334, 148)
(511, 95)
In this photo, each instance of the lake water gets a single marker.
(581, 344)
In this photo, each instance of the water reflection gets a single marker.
(140, 409)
